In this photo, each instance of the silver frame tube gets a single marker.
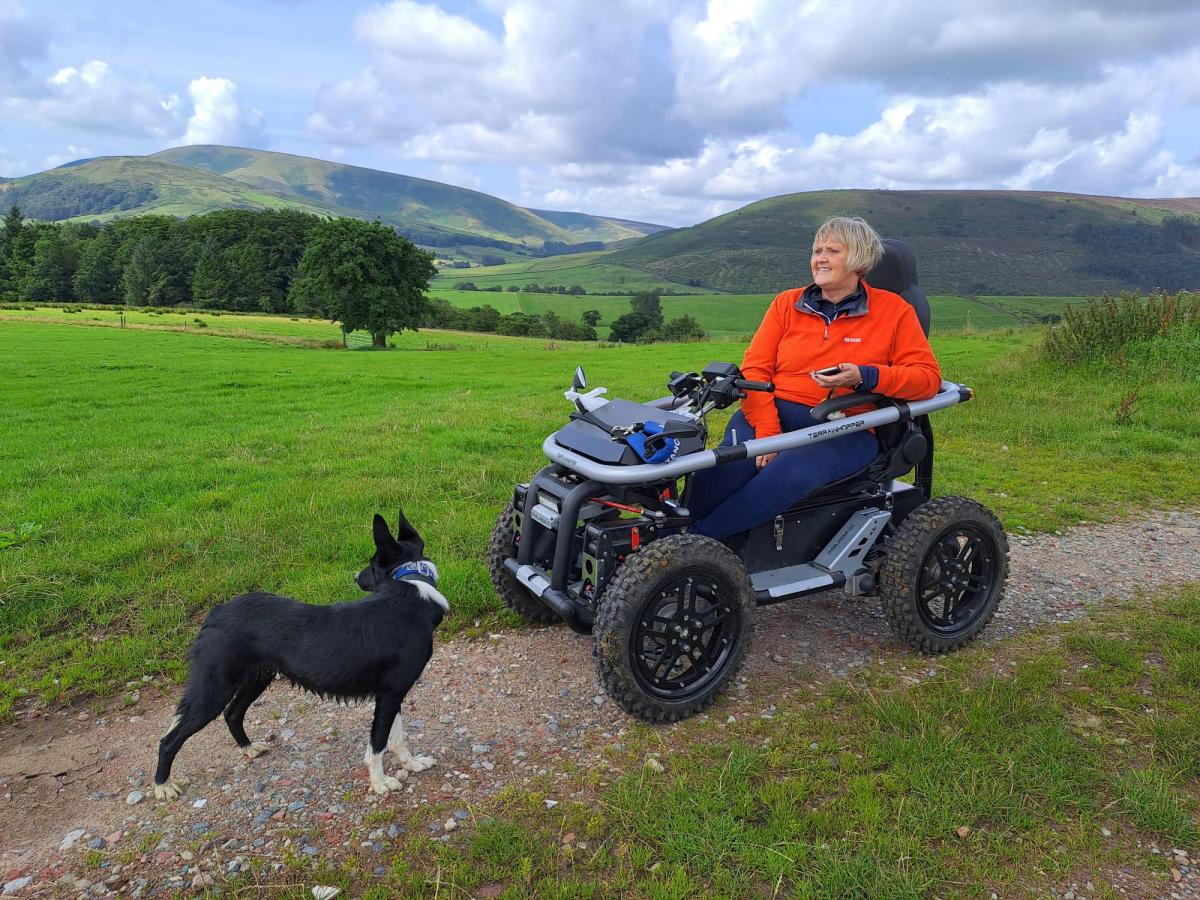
(949, 394)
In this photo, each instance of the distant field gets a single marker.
(730, 316)
(279, 329)
(588, 270)
(723, 316)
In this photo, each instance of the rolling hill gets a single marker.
(586, 227)
(98, 189)
(400, 200)
(187, 181)
(966, 242)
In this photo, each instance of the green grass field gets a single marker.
(589, 270)
(151, 474)
(729, 316)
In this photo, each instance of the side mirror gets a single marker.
(579, 382)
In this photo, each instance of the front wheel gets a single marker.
(943, 574)
(673, 626)
(501, 545)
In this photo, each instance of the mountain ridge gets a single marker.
(966, 242)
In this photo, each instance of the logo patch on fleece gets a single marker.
(850, 340)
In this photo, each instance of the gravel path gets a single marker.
(496, 711)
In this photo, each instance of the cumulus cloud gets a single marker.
(1102, 138)
(217, 116)
(23, 41)
(69, 154)
(586, 82)
(94, 97)
(98, 98)
(690, 107)
(739, 62)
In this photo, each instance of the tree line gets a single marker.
(643, 324)
(362, 274)
(1164, 256)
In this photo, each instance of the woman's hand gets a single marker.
(761, 461)
(847, 376)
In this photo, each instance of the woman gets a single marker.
(871, 336)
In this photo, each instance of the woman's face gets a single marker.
(829, 268)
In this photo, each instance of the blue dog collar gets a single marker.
(422, 568)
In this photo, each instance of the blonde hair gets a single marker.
(863, 247)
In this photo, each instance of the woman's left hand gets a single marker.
(849, 376)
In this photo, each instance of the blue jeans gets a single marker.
(735, 497)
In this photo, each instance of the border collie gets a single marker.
(376, 647)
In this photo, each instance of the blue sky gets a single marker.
(662, 110)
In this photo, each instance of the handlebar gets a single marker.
(822, 410)
(743, 384)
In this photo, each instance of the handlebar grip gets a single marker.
(820, 412)
(755, 385)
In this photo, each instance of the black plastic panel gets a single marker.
(595, 443)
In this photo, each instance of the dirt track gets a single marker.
(494, 711)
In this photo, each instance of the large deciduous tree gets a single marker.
(365, 276)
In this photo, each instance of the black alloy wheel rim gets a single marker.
(956, 578)
(684, 635)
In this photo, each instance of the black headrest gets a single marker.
(897, 272)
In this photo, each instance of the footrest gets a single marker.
(775, 584)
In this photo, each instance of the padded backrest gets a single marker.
(897, 272)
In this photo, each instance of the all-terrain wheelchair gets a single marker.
(598, 538)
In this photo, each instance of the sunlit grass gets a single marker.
(148, 475)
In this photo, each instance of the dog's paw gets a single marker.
(387, 784)
(254, 750)
(169, 789)
(417, 764)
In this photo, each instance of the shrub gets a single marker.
(1104, 327)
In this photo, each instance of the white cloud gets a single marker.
(739, 62)
(686, 107)
(70, 154)
(583, 81)
(95, 98)
(1102, 138)
(424, 33)
(217, 116)
(22, 41)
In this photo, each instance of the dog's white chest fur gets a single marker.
(429, 592)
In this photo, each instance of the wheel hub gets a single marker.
(684, 636)
(956, 577)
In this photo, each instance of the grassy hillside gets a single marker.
(101, 188)
(966, 242)
(586, 227)
(396, 199)
(186, 181)
(593, 271)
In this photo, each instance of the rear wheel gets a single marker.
(501, 545)
(944, 573)
(673, 626)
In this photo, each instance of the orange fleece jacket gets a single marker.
(791, 342)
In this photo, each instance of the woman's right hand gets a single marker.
(761, 461)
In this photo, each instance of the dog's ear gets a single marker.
(406, 534)
(384, 542)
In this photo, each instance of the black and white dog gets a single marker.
(376, 647)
